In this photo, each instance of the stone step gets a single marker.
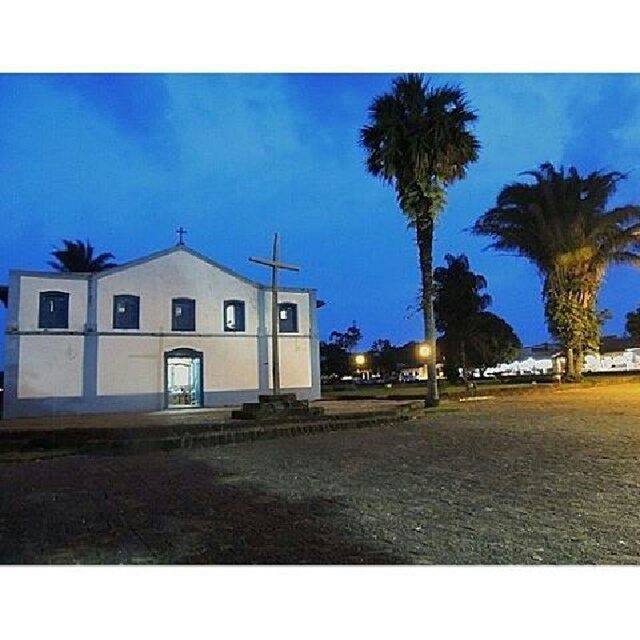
(279, 406)
(256, 411)
(281, 397)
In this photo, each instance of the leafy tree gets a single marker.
(418, 140)
(459, 298)
(490, 341)
(335, 354)
(561, 223)
(349, 339)
(632, 326)
(79, 257)
(334, 360)
(384, 356)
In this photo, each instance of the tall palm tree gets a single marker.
(561, 223)
(78, 257)
(418, 140)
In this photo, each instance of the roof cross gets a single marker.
(181, 231)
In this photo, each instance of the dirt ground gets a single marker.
(547, 478)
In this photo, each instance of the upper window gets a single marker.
(288, 317)
(233, 315)
(126, 312)
(54, 310)
(183, 314)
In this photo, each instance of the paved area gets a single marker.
(179, 416)
(546, 478)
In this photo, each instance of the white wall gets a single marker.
(295, 362)
(294, 348)
(176, 275)
(299, 298)
(50, 366)
(30, 288)
(230, 360)
(135, 364)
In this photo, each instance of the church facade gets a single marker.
(168, 331)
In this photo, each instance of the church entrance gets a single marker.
(183, 379)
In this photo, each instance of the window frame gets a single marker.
(126, 297)
(239, 327)
(51, 296)
(175, 302)
(288, 306)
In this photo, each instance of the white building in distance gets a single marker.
(171, 330)
(615, 356)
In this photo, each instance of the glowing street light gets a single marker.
(360, 360)
(423, 350)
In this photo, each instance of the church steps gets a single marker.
(135, 439)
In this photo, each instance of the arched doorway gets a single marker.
(183, 378)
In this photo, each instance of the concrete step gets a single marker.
(270, 407)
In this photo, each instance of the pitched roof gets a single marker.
(169, 251)
(155, 256)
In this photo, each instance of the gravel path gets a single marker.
(544, 479)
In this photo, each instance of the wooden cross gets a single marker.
(181, 231)
(274, 265)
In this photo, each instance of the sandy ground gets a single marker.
(542, 479)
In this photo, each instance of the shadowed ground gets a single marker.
(553, 477)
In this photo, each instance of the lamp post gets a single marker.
(361, 361)
(423, 354)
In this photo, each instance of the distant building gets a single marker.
(171, 330)
(540, 359)
(413, 373)
(616, 354)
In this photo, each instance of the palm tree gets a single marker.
(418, 140)
(458, 299)
(78, 257)
(560, 222)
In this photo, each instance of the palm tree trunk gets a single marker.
(424, 236)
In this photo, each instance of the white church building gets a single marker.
(168, 331)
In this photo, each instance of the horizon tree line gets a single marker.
(472, 337)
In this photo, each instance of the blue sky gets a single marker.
(124, 159)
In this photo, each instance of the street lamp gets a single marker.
(360, 361)
(423, 351)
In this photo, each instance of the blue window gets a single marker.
(126, 312)
(54, 310)
(183, 314)
(234, 315)
(288, 317)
